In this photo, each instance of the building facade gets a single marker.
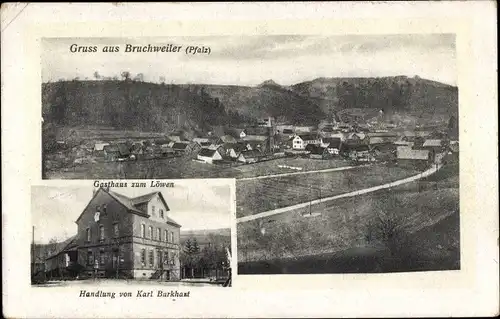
(120, 236)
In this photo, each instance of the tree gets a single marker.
(125, 75)
(162, 79)
(96, 75)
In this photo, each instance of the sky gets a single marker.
(250, 60)
(55, 209)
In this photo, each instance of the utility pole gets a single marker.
(32, 252)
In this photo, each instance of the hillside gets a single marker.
(398, 94)
(264, 100)
(131, 105)
(142, 106)
(222, 235)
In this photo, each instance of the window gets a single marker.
(158, 234)
(90, 259)
(151, 258)
(143, 231)
(143, 256)
(161, 213)
(101, 257)
(166, 260)
(153, 211)
(150, 232)
(171, 237)
(88, 234)
(101, 232)
(116, 230)
(97, 208)
(104, 208)
(160, 258)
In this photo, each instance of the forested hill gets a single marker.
(138, 105)
(391, 94)
(132, 105)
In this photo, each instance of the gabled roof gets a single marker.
(432, 143)
(409, 153)
(308, 137)
(120, 148)
(238, 147)
(259, 138)
(206, 152)
(63, 246)
(251, 154)
(333, 142)
(179, 146)
(132, 202)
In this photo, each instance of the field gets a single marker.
(255, 196)
(338, 238)
(185, 167)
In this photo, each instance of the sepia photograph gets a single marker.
(121, 235)
(361, 174)
(312, 157)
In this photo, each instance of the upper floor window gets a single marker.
(88, 234)
(150, 232)
(101, 232)
(104, 208)
(165, 235)
(171, 237)
(98, 208)
(143, 231)
(162, 215)
(153, 213)
(116, 230)
(158, 234)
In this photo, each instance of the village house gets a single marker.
(317, 152)
(209, 156)
(299, 142)
(420, 157)
(99, 149)
(233, 150)
(301, 129)
(185, 148)
(61, 263)
(219, 148)
(116, 152)
(227, 139)
(333, 144)
(201, 140)
(252, 156)
(134, 237)
(166, 151)
(175, 138)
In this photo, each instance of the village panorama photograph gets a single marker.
(345, 148)
(176, 236)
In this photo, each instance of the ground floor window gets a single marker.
(102, 257)
(143, 257)
(90, 259)
(151, 258)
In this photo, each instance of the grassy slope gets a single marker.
(285, 191)
(432, 217)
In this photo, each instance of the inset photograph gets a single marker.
(174, 235)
